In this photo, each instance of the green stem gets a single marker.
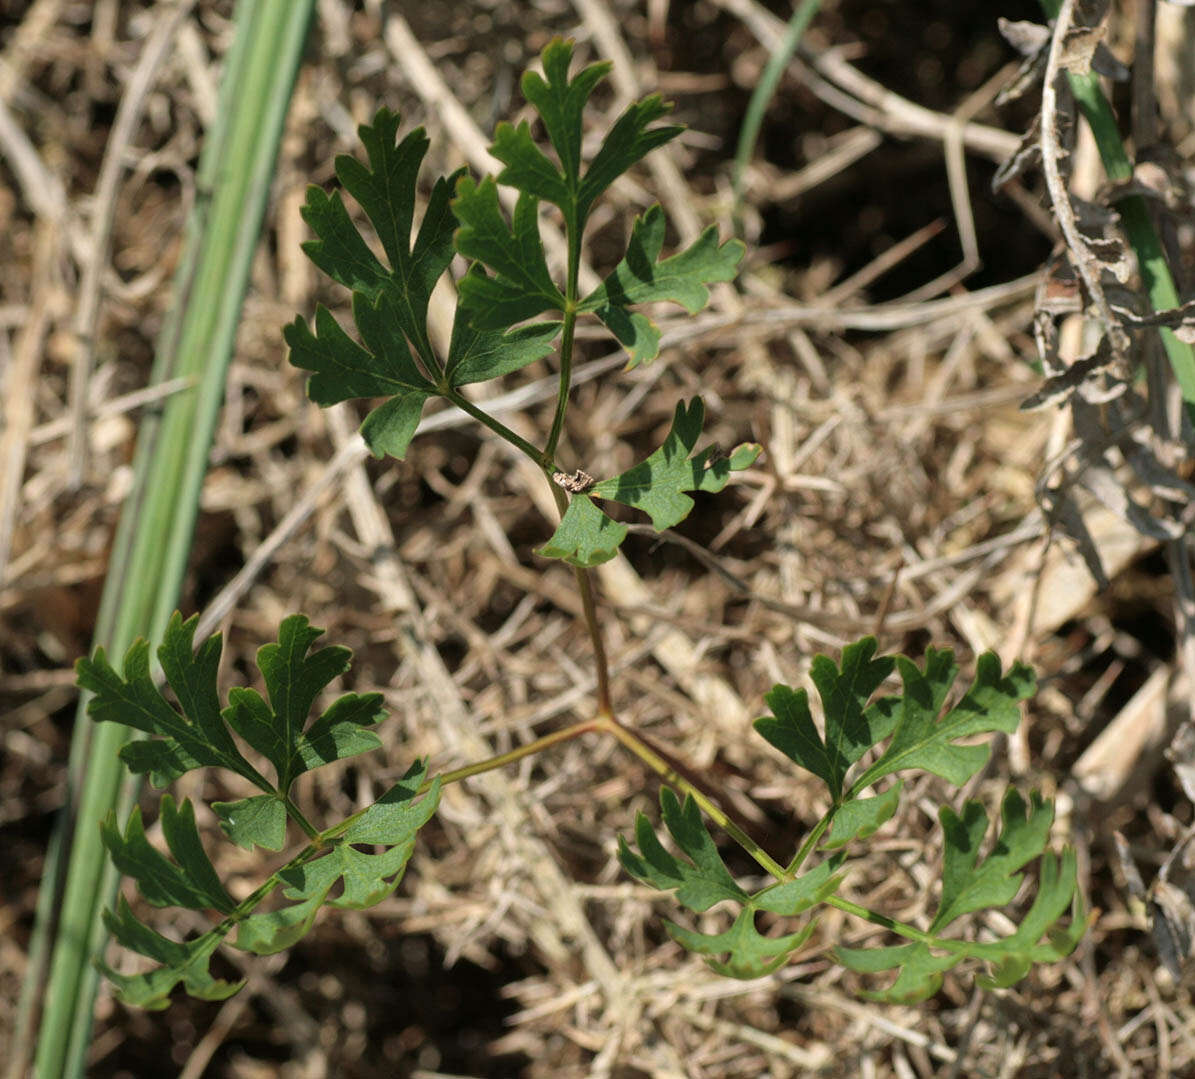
(573, 230)
(1134, 213)
(595, 636)
(589, 607)
(541, 458)
(296, 814)
(758, 105)
(901, 929)
(656, 761)
(565, 734)
(810, 842)
(490, 764)
(566, 372)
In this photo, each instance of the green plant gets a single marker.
(507, 284)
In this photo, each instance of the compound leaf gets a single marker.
(395, 359)
(642, 277)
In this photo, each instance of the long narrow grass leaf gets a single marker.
(153, 540)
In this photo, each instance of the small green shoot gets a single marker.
(393, 362)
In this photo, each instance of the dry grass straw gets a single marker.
(895, 494)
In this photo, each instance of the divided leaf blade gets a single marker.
(189, 882)
(132, 698)
(476, 355)
(186, 963)
(920, 740)
(920, 970)
(851, 727)
(259, 821)
(657, 485)
(968, 884)
(971, 884)
(293, 680)
(394, 820)
(521, 286)
(860, 818)
(797, 896)
(627, 142)
(344, 370)
(642, 277)
(586, 536)
(701, 879)
(340, 732)
(750, 953)
(339, 250)
(385, 190)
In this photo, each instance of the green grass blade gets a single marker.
(764, 89)
(154, 536)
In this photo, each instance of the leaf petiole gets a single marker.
(666, 770)
(540, 457)
(809, 843)
(567, 337)
(296, 814)
(901, 929)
